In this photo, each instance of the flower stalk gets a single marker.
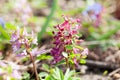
(34, 65)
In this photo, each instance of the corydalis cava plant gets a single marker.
(94, 13)
(22, 41)
(66, 42)
(22, 44)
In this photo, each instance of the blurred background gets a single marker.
(100, 31)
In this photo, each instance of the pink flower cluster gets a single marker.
(66, 38)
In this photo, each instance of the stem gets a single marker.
(48, 19)
(34, 66)
(67, 64)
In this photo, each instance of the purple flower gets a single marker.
(16, 46)
(94, 12)
(76, 50)
(64, 35)
(21, 41)
(15, 36)
(95, 8)
(85, 51)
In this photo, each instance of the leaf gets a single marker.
(10, 26)
(72, 55)
(68, 74)
(4, 33)
(105, 72)
(43, 75)
(49, 77)
(60, 63)
(65, 54)
(43, 57)
(82, 61)
(69, 47)
(26, 76)
(57, 74)
(45, 66)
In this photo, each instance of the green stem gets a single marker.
(47, 20)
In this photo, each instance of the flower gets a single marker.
(94, 12)
(95, 9)
(21, 41)
(64, 37)
(85, 51)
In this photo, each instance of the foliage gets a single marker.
(57, 74)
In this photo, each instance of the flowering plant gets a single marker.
(66, 40)
(93, 13)
(23, 44)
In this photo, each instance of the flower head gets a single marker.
(21, 41)
(66, 38)
(94, 12)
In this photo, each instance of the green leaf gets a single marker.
(43, 75)
(26, 76)
(10, 26)
(69, 47)
(71, 61)
(60, 63)
(49, 77)
(45, 66)
(4, 33)
(82, 61)
(105, 72)
(43, 57)
(57, 74)
(69, 74)
(72, 55)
